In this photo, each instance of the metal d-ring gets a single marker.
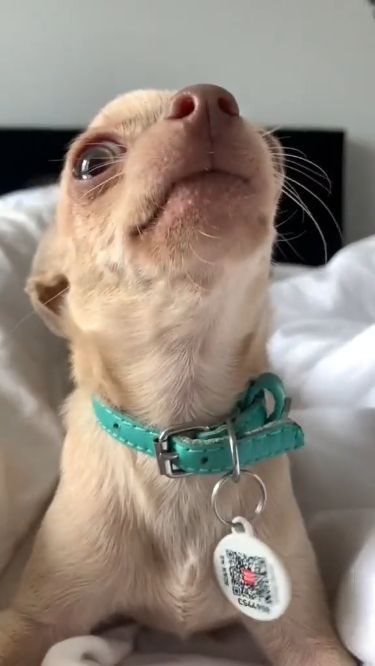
(228, 477)
(236, 471)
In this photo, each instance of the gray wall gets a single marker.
(302, 62)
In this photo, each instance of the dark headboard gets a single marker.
(34, 156)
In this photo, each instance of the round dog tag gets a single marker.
(251, 575)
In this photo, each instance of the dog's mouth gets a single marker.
(213, 177)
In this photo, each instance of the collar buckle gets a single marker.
(167, 460)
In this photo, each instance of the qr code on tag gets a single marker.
(249, 580)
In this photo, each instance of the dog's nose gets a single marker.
(204, 101)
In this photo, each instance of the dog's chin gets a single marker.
(207, 220)
(206, 201)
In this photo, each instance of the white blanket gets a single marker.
(322, 347)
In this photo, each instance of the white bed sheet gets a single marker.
(322, 346)
(31, 387)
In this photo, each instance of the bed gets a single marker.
(322, 346)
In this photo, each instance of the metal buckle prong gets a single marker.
(233, 445)
(168, 460)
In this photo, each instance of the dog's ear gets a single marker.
(48, 285)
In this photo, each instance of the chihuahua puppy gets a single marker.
(156, 271)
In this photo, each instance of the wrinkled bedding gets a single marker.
(322, 346)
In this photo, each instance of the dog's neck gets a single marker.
(187, 362)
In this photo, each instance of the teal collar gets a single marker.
(256, 434)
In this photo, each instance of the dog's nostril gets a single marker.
(228, 105)
(182, 106)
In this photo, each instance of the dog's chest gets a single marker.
(179, 592)
(181, 596)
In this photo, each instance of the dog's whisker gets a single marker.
(282, 253)
(271, 131)
(283, 239)
(291, 237)
(99, 185)
(307, 175)
(31, 313)
(201, 259)
(306, 166)
(326, 208)
(294, 196)
(206, 235)
(290, 217)
(200, 287)
(195, 284)
(301, 158)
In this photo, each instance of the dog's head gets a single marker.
(165, 221)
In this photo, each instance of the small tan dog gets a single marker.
(157, 273)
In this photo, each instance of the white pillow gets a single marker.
(32, 381)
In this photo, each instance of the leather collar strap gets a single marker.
(193, 449)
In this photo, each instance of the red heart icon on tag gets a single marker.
(248, 576)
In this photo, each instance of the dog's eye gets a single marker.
(96, 158)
